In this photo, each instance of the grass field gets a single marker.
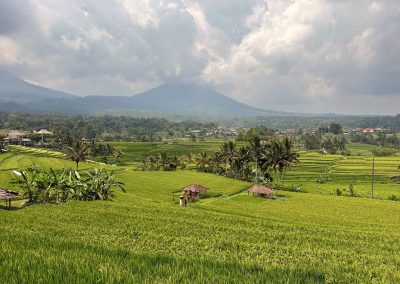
(144, 236)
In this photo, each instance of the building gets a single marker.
(261, 190)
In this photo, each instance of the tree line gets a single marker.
(256, 162)
(107, 128)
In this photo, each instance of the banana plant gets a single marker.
(27, 184)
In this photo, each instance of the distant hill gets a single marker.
(16, 90)
(181, 100)
(174, 99)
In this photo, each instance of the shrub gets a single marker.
(382, 152)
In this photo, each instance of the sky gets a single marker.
(289, 55)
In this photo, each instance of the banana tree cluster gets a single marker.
(40, 186)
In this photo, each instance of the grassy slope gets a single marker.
(144, 236)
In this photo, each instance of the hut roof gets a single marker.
(195, 188)
(44, 131)
(7, 194)
(260, 189)
(15, 134)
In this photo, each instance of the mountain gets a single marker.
(16, 90)
(174, 99)
(178, 100)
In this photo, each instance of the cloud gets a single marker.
(303, 55)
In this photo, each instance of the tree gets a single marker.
(78, 151)
(312, 141)
(289, 157)
(27, 181)
(241, 160)
(335, 128)
(202, 161)
(256, 150)
(227, 154)
(118, 154)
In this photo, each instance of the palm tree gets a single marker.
(256, 150)
(240, 160)
(164, 161)
(228, 153)
(78, 151)
(271, 159)
(118, 154)
(189, 158)
(202, 161)
(289, 157)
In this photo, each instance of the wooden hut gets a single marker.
(192, 192)
(8, 195)
(261, 190)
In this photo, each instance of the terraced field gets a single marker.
(340, 172)
(144, 236)
(136, 151)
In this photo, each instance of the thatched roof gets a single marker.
(260, 189)
(44, 131)
(195, 188)
(7, 194)
(15, 134)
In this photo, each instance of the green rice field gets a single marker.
(143, 236)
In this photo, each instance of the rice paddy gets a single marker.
(143, 235)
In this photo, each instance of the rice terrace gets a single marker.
(246, 141)
(305, 234)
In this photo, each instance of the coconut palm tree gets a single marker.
(241, 160)
(271, 159)
(78, 151)
(227, 154)
(289, 157)
(256, 150)
(202, 161)
(118, 154)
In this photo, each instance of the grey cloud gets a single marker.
(290, 55)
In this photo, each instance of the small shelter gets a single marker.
(192, 192)
(8, 195)
(261, 190)
(15, 134)
(44, 132)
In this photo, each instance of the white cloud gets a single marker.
(141, 13)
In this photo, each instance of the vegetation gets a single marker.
(238, 163)
(144, 236)
(38, 185)
(163, 162)
(77, 151)
(317, 235)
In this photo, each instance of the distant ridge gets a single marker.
(183, 100)
(16, 90)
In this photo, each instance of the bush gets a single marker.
(393, 198)
(338, 192)
(383, 152)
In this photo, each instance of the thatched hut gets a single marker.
(192, 192)
(261, 190)
(8, 195)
